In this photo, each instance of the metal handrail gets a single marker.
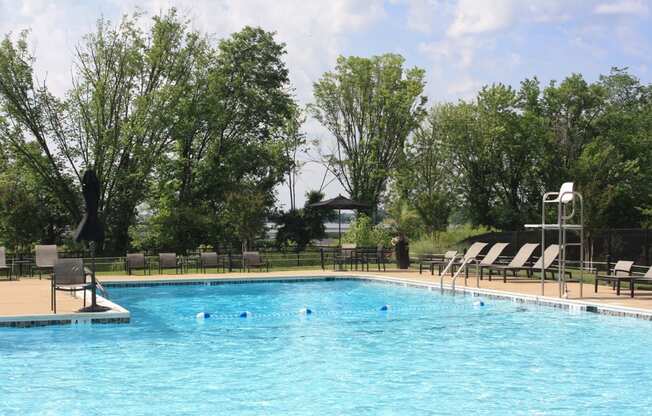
(443, 273)
(463, 266)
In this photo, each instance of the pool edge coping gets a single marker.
(115, 314)
(579, 305)
(119, 314)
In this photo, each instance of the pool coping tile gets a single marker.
(118, 314)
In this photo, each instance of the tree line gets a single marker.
(487, 161)
(186, 137)
(190, 138)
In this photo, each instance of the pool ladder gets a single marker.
(101, 289)
(463, 266)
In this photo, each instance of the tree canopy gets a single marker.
(370, 106)
(191, 138)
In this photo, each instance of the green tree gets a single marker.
(228, 141)
(300, 227)
(370, 106)
(28, 212)
(117, 119)
(425, 176)
(614, 170)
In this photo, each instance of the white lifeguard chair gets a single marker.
(569, 209)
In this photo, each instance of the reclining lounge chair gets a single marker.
(490, 258)
(517, 263)
(550, 254)
(621, 271)
(646, 278)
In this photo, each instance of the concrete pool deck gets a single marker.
(28, 300)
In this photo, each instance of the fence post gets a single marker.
(647, 247)
(298, 258)
(229, 258)
(321, 257)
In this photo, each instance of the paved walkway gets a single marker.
(32, 296)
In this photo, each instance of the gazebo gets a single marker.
(339, 203)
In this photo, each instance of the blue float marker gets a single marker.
(305, 311)
(478, 302)
(385, 307)
(245, 314)
(203, 315)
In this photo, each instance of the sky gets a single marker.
(462, 44)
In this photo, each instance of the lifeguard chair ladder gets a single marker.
(569, 206)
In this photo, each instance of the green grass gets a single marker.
(445, 240)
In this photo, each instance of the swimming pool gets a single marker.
(429, 353)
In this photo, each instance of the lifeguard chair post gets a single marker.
(569, 209)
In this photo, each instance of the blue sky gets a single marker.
(462, 44)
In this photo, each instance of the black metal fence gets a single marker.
(633, 244)
(603, 246)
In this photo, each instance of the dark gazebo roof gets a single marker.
(340, 202)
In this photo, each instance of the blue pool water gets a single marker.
(428, 354)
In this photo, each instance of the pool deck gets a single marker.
(28, 300)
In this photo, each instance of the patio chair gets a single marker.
(347, 255)
(491, 257)
(3, 263)
(208, 260)
(646, 278)
(621, 271)
(253, 259)
(380, 257)
(437, 260)
(138, 261)
(550, 254)
(169, 261)
(517, 263)
(46, 257)
(68, 275)
(470, 256)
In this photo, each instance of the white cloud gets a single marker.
(426, 16)
(636, 7)
(466, 87)
(459, 52)
(474, 17)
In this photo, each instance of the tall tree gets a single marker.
(294, 142)
(228, 149)
(117, 119)
(370, 106)
(425, 177)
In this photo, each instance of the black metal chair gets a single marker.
(208, 260)
(138, 261)
(346, 255)
(169, 261)
(253, 259)
(68, 275)
(438, 260)
(45, 258)
(3, 263)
